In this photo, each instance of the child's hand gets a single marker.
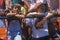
(20, 16)
(41, 23)
(49, 15)
(11, 14)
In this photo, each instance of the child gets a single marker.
(40, 33)
(14, 29)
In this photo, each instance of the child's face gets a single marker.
(41, 10)
(15, 9)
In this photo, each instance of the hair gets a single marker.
(6, 11)
(43, 7)
(22, 3)
(18, 7)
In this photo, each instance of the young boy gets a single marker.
(14, 29)
(42, 32)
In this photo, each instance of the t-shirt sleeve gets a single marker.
(23, 10)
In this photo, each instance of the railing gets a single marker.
(5, 17)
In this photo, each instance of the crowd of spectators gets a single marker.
(26, 19)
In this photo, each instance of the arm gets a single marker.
(35, 7)
(37, 4)
(40, 23)
(55, 13)
(58, 12)
(11, 14)
(26, 3)
(34, 14)
(20, 16)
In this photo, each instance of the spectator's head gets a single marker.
(42, 8)
(16, 6)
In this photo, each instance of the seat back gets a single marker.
(3, 33)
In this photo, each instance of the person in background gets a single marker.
(2, 7)
(3, 21)
(53, 6)
(8, 4)
(33, 4)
